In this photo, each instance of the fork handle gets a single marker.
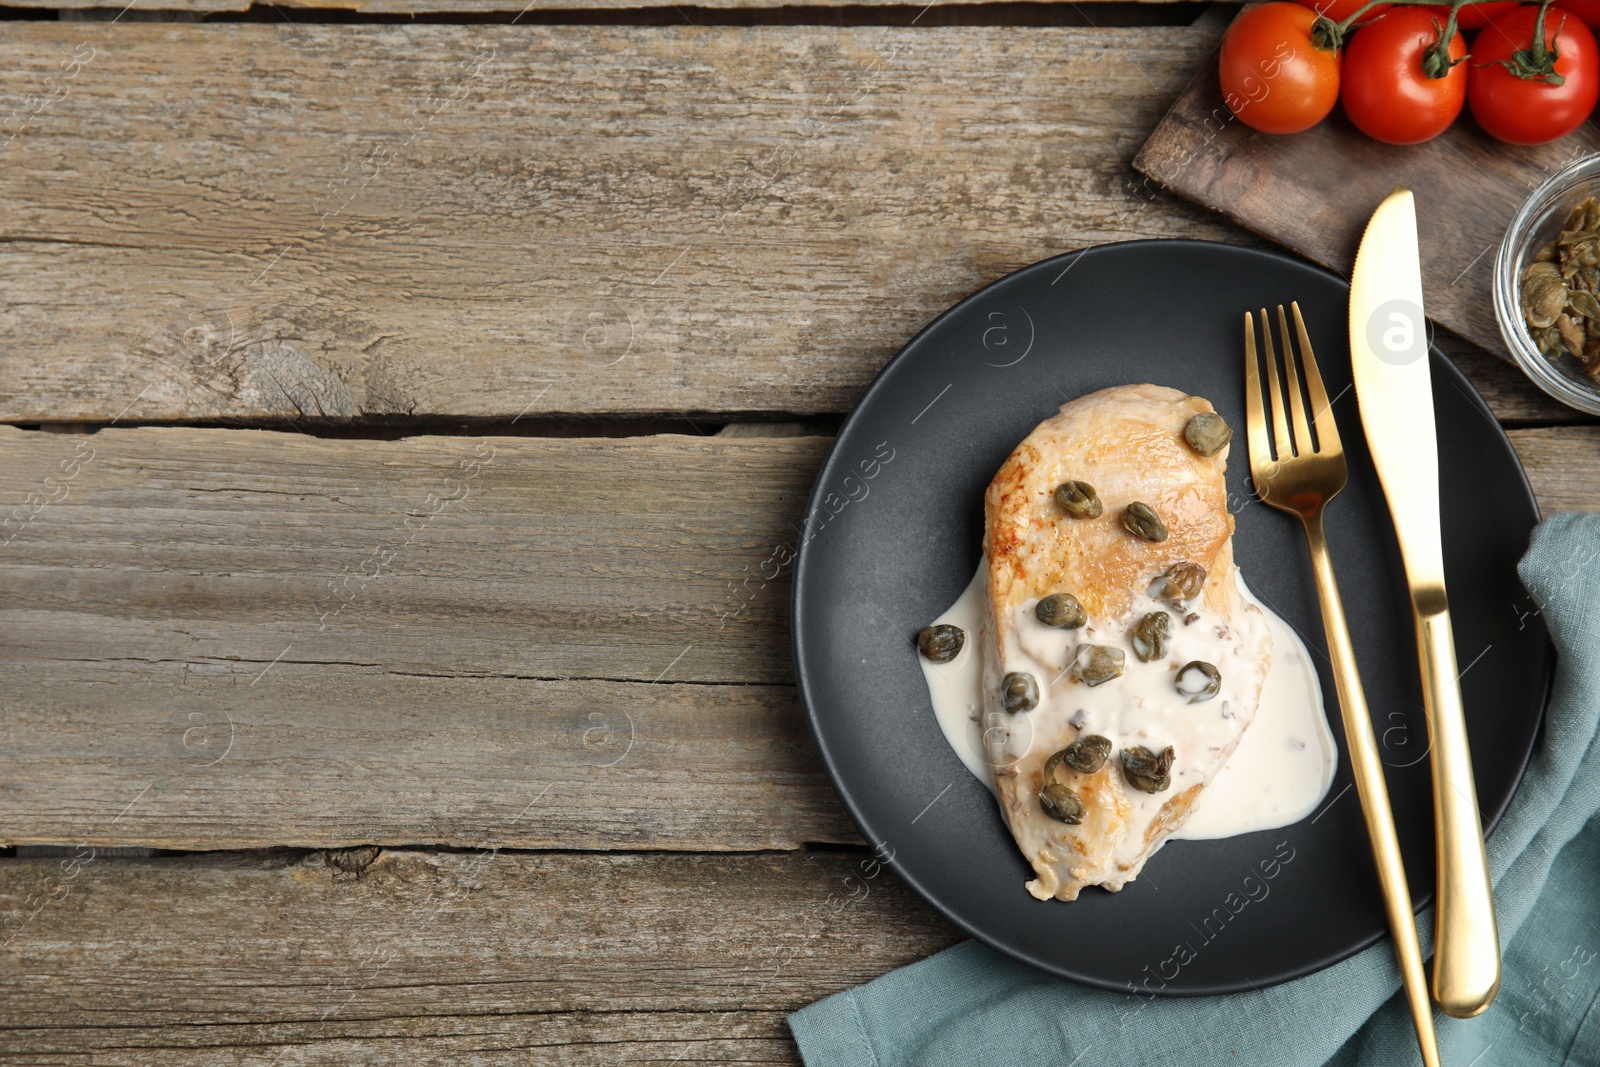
(1373, 791)
(1466, 952)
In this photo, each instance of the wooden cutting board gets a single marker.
(1314, 191)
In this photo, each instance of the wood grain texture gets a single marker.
(466, 7)
(1563, 466)
(334, 222)
(627, 560)
(588, 648)
(389, 644)
(196, 755)
(1315, 191)
(443, 958)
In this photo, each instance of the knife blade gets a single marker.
(1394, 391)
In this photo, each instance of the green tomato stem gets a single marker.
(1329, 35)
(1436, 61)
(1537, 62)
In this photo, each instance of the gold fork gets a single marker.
(1301, 478)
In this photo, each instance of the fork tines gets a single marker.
(1288, 405)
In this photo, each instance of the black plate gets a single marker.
(893, 534)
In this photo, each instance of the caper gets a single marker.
(1146, 771)
(1085, 755)
(1543, 295)
(1150, 635)
(1019, 692)
(1141, 520)
(1061, 803)
(1078, 499)
(1207, 433)
(1096, 664)
(1180, 584)
(1584, 304)
(1062, 611)
(1198, 680)
(942, 642)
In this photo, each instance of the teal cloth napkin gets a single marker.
(969, 1006)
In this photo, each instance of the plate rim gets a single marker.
(851, 805)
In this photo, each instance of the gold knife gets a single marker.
(1389, 355)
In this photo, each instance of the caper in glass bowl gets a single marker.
(1534, 236)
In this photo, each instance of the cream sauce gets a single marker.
(1278, 774)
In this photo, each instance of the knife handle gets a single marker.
(1466, 956)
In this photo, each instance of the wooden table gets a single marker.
(409, 413)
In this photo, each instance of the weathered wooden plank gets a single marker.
(331, 222)
(597, 625)
(485, 7)
(466, 956)
(201, 755)
(270, 639)
(1563, 466)
(626, 559)
(560, 1039)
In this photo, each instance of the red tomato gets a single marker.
(1477, 16)
(1530, 110)
(1273, 78)
(1588, 11)
(1387, 92)
(1339, 10)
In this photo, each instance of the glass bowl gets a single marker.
(1535, 223)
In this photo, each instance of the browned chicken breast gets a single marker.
(1120, 657)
